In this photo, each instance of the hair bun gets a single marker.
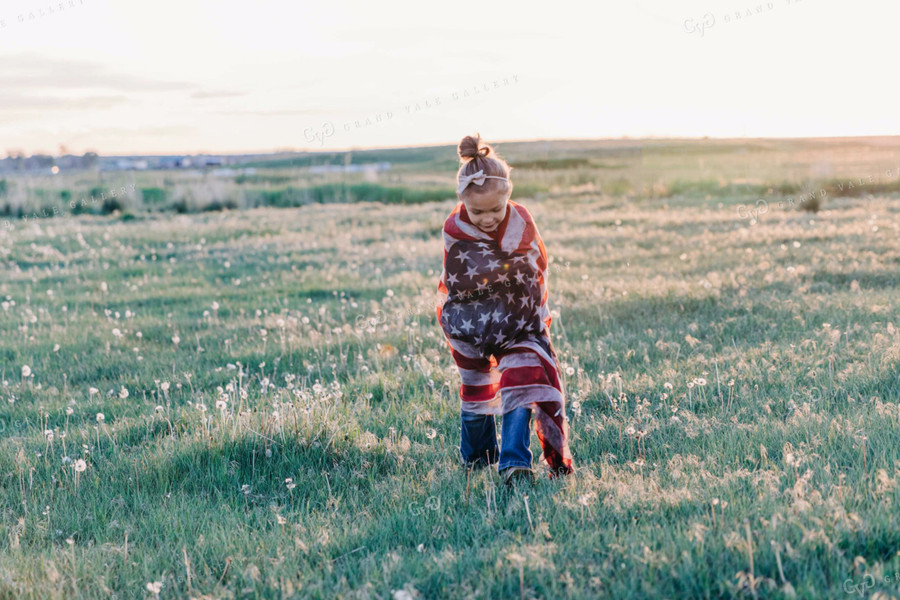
(471, 147)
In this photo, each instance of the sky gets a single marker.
(198, 76)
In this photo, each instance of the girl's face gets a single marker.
(487, 210)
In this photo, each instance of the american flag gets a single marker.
(492, 308)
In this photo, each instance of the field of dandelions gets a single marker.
(259, 403)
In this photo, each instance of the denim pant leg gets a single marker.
(478, 439)
(516, 439)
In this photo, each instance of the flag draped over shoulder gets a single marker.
(492, 308)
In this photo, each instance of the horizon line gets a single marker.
(493, 143)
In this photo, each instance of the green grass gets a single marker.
(730, 380)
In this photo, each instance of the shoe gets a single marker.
(514, 474)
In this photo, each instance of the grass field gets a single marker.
(259, 403)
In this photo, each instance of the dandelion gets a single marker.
(701, 381)
(289, 483)
(245, 489)
(100, 417)
(570, 370)
(49, 434)
(93, 390)
(154, 587)
(667, 385)
(263, 333)
(221, 404)
(159, 408)
(201, 407)
(629, 430)
(431, 433)
(176, 339)
(69, 410)
(123, 393)
(585, 499)
(26, 371)
(164, 386)
(116, 332)
(80, 465)
(215, 305)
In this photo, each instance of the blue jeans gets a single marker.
(478, 439)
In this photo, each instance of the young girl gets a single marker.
(493, 311)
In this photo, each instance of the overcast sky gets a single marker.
(191, 76)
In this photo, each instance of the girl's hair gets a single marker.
(477, 156)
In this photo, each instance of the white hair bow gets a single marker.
(476, 178)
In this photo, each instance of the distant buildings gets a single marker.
(42, 164)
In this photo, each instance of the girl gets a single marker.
(493, 311)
